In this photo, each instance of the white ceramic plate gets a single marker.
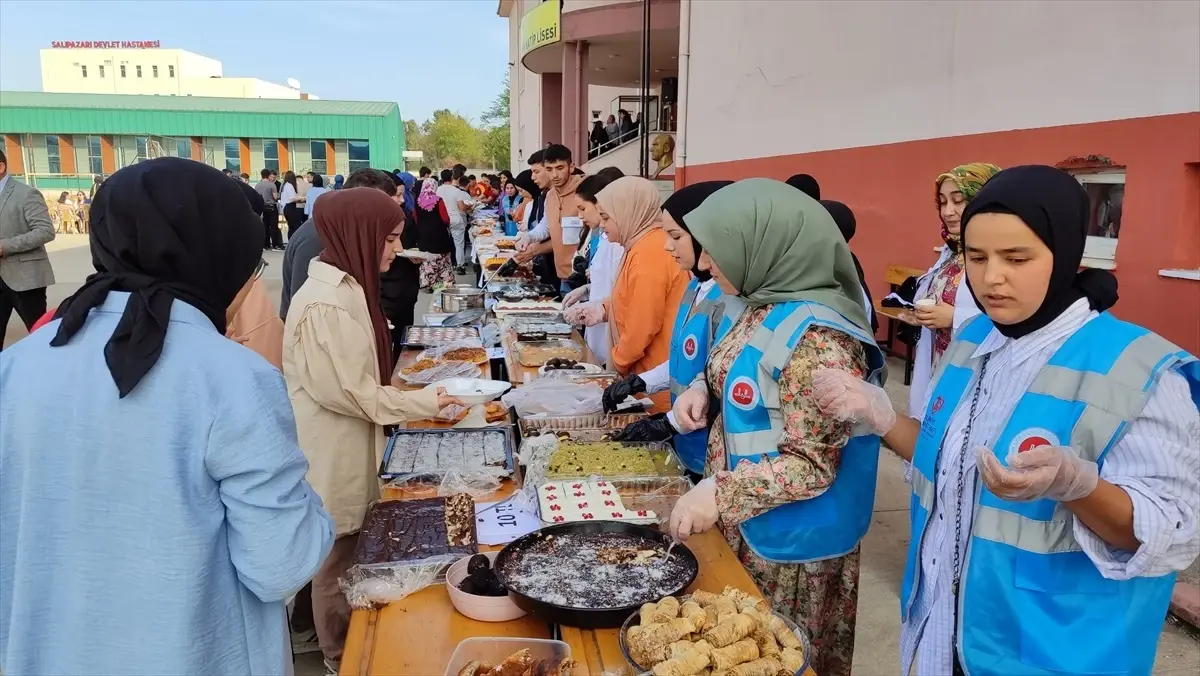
(472, 391)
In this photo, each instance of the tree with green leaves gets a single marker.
(448, 137)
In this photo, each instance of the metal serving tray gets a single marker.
(419, 467)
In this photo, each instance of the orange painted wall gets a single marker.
(244, 155)
(12, 152)
(891, 190)
(285, 158)
(108, 157)
(197, 149)
(66, 153)
(330, 159)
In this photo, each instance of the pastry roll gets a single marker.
(705, 598)
(669, 605)
(761, 619)
(726, 607)
(514, 665)
(692, 611)
(765, 666)
(783, 634)
(471, 669)
(689, 663)
(647, 614)
(767, 645)
(730, 631)
(734, 654)
(792, 660)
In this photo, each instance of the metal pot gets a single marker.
(461, 297)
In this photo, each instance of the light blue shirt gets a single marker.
(311, 199)
(3, 182)
(161, 533)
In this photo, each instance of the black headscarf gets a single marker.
(1056, 208)
(806, 184)
(524, 181)
(681, 203)
(163, 229)
(848, 224)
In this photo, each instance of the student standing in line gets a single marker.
(270, 196)
(293, 212)
(458, 203)
(561, 212)
(1055, 471)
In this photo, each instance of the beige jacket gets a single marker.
(257, 325)
(332, 378)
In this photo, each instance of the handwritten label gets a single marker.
(501, 523)
(496, 352)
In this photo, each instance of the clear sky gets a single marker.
(365, 50)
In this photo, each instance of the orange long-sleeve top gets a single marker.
(643, 304)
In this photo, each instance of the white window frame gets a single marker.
(1100, 252)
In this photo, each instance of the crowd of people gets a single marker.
(195, 488)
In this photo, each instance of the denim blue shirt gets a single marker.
(161, 533)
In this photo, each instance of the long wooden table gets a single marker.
(417, 635)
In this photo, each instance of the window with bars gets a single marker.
(84, 69)
(317, 150)
(53, 161)
(271, 154)
(359, 153)
(122, 70)
(138, 69)
(154, 71)
(95, 157)
(170, 71)
(233, 156)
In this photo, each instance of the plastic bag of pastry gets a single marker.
(378, 585)
(478, 482)
(547, 397)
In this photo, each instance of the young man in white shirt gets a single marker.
(458, 203)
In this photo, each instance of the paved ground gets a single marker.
(883, 549)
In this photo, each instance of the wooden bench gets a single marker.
(895, 276)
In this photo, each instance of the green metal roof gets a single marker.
(182, 116)
(193, 104)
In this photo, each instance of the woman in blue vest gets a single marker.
(1055, 469)
(788, 486)
(692, 337)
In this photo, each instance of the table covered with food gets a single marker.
(514, 537)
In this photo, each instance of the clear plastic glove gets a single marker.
(523, 242)
(577, 296)
(587, 314)
(696, 511)
(1046, 472)
(691, 409)
(845, 397)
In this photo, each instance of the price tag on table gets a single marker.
(499, 523)
(496, 352)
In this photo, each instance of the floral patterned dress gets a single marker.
(822, 596)
(943, 288)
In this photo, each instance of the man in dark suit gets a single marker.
(25, 270)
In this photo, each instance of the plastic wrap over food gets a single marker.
(547, 397)
(377, 585)
(433, 372)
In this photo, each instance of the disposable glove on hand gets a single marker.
(576, 296)
(654, 428)
(696, 511)
(691, 409)
(1046, 472)
(847, 398)
(617, 392)
(589, 314)
(523, 242)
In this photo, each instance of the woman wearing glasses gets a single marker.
(257, 325)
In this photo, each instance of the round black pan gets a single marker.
(588, 618)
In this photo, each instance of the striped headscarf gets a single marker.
(969, 178)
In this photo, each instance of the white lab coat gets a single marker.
(964, 308)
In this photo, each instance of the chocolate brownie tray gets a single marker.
(411, 531)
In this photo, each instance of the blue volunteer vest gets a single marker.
(691, 340)
(833, 523)
(1031, 602)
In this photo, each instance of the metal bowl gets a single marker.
(586, 618)
(461, 297)
(635, 619)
